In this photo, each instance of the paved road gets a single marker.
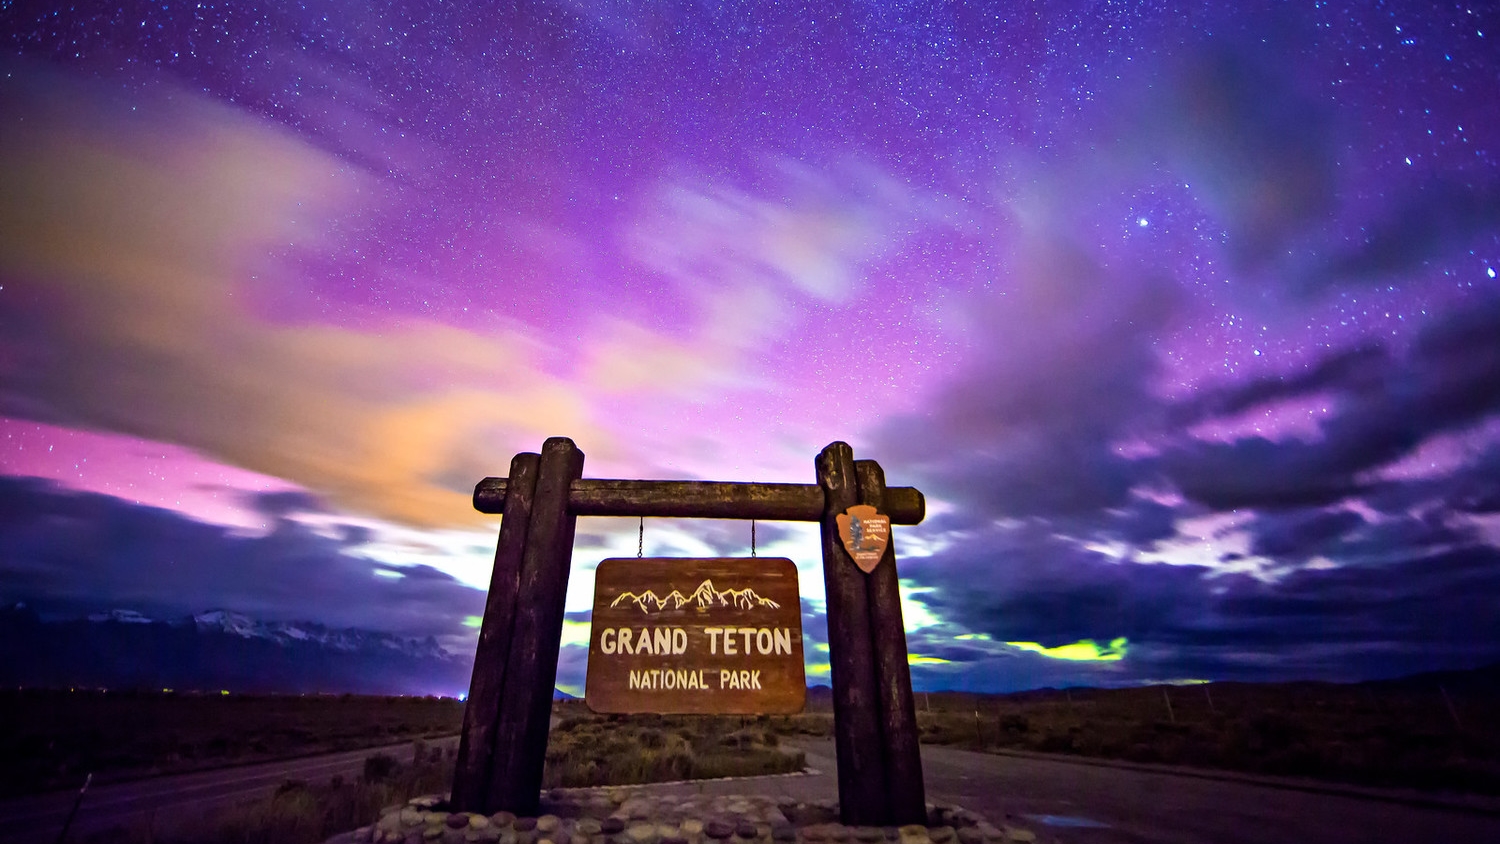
(1135, 807)
(1062, 800)
(160, 802)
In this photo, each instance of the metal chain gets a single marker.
(752, 539)
(640, 539)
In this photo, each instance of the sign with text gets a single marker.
(719, 635)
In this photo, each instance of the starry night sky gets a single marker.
(1186, 320)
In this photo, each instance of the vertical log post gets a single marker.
(520, 742)
(471, 775)
(862, 798)
(905, 792)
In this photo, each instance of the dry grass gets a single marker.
(304, 813)
(52, 739)
(584, 750)
(587, 749)
(1398, 736)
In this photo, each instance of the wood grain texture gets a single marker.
(905, 792)
(702, 500)
(731, 628)
(857, 736)
(531, 664)
(476, 749)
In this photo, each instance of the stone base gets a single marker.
(618, 816)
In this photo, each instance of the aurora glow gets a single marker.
(1086, 651)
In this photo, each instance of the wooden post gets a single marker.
(504, 740)
(520, 743)
(471, 775)
(857, 739)
(905, 792)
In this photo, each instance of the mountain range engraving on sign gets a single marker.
(720, 635)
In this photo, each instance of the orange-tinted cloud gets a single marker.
(134, 236)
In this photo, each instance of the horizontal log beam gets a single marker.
(703, 500)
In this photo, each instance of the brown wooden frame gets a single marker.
(504, 740)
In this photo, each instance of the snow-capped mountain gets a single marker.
(122, 616)
(220, 649)
(285, 632)
(704, 597)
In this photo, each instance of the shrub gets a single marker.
(379, 767)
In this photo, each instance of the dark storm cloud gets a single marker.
(1302, 534)
(78, 552)
(286, 503)
(1349, 621)
(1023, 582)
(1140, 522)
(932, 643)
(1360, 368)
(1402, 538)
(1062, 373)
(1475, 488)
(1443, 605)
(1448, 379)
(1258, 472)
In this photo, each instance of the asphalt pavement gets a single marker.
(159, 803)
(1080, 802)
(1062, 799)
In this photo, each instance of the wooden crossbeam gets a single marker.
(703, 500)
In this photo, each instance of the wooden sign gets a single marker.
(698, 635)
(866, 533)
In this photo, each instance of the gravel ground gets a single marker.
(620, 816)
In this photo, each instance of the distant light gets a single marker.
(1408, 160)
(1142, 222)
(464, 696)
(223, 691)
(1257, 352)
(1490, 272)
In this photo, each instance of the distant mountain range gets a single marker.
(703, 597)
(217, 650)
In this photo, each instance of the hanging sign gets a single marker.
(865, 532)
(703, 635)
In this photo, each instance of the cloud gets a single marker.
(1359, 617)
(73, 553)
(1384, 406)
(1061, 372)
(1358, 368)
(1023, 582)
(1301, 534)
(135, 245)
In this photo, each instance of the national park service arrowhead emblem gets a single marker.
(866, 533)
